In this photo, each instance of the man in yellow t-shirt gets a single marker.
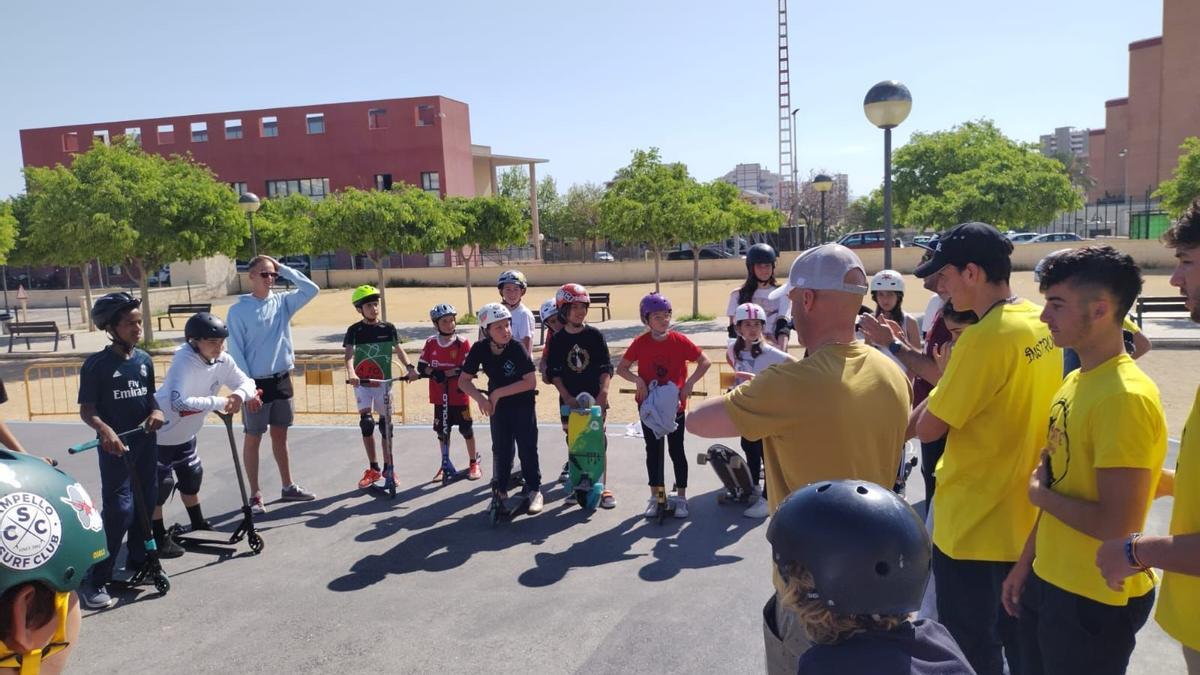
(840, 413)
(1178, 554)
(1106, 445)
(990, 405)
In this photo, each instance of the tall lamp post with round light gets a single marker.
(822, 184)
(249, 203)
(887, 104)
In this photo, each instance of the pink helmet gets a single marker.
(653, 302)
(748, 311)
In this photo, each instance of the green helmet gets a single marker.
(50, 531)
(364, 294)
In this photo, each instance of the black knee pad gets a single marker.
(166, 485)
(190, 477)
(385, 427)
(466, 428)
(366, 424)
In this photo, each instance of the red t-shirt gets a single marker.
(663, 361)
(445, 358)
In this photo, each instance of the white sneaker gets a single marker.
(535, 503)
(680, 507)
(757, 510)
(256, 504)
(651, 508)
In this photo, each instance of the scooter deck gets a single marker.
(503, 511)
(732, 471)
(586, 453)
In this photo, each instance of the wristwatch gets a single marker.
(895, 347)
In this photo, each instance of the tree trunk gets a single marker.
(467, 267)
(147, 313)
(379, 280)
(657, 255)
(87, 295)
(695, 281)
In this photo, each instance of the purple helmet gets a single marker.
(653, 302)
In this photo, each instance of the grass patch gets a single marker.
(468, 320)
(695, 317)
(147, 345)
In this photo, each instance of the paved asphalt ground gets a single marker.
(353, 583)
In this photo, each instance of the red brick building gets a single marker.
(311, 150)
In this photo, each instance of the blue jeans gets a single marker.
(117, 510)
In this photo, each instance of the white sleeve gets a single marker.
(237, 381)
(733, 304)
(182, 373)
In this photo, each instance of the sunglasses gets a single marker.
(268, 275)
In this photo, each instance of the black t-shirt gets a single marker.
(921, 647)
(507, 367)
(363, 333)
(122, 389)
(579, 359)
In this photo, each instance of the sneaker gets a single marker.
(680, 507)
(608, 500)
(535, 502)
(168, 548)
(95, 597)
(651, 508)
(256, 504)
(369, 478)
(474, 472)
(295, 493)
(566, 474)
(758, 509)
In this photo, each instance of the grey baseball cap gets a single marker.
(823, 268)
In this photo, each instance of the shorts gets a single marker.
(458, 416)
(277, 413)
(373, 398)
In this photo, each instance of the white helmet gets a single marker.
(491, 313)
(748, 311)
(549, 310)
(1041, 266)
(887, 280)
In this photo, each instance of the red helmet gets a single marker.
(570, 293)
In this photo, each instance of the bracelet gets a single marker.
(1131, 556)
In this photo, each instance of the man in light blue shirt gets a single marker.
(260, 342)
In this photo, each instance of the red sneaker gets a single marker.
(474, 472)
(370, 476)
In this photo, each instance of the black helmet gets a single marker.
(760, 254)
(867, 550)
(204, 325)
(109, 306)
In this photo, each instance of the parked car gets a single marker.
(867, 239)
(296, 262)
(162, 277)
(922, 239)
(1055, 237)
(706, 253)
(1022, 237)
(603, 256)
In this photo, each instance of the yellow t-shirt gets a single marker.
(838, 414)
(1179, 602)
(1107, 418)
(1001, 378)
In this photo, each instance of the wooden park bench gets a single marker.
(29, 329)
(600, 301)
(182, 309)
(1158, 304)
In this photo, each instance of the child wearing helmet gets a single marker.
(887, 290)
(441, 361)
(116, 395)
(198, 370)
(552, 324)
(39, 610)
(854, 559)
(512, 287)
(662, 356)
(369, 344)
(509, 401)
(577, 361)
(749, 354)
(760, 281)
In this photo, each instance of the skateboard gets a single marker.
(585, 452)
(733, 471)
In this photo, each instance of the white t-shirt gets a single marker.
(773, 308)
(189, 392)
(522, 322)
(745, 363)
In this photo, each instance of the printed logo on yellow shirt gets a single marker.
(1058, 442)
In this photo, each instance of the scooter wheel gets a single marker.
(162, 584)
(256, 543)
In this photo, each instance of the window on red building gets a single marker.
(239, 188)
(100, 136)
(426, 116)
(233, 130)
(134, 134)
(166, 134)
(199, 132)
(269, 126)
(383, 181)
(315, 123)
(70, 141)
(431, 182)
(377, 118)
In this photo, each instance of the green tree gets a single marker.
(8, 230)
(377, 223)
(282, 226)
(513, 183)
(120, 204)
(864, 213)
(974, 172)
(578, 219)
(486, 222)
(1183, 188)
(650, 202)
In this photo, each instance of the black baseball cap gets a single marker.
(966, 243)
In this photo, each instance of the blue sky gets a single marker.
(583, 82)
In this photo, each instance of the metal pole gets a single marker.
(887, 199)
(6, 288)
(67, 306)
(823, 230)
(253, 239)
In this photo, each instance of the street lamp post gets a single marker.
(822, 183)
(886, 105)
(249, 203)
(795, 190)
